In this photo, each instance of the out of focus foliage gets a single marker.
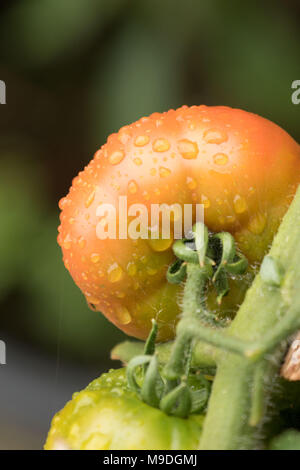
(77, 70)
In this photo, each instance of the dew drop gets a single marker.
(95, 257)
(131, 268)
(161, 145)
(81, 242)
(161, 244)
(124, 136)
(67, 242)
(90, 199)
(215, 136)
(191, 182)
(123, 315)
(153, 171)
(240, 204)
(257, 224)
(93, 300)
(120, 294)
(151, 271)
(205, 201)
(188, 149)
(137, 161)
(220, 159)
(164, 172)
(115, 273)
(132, 187)
(141, 140)
(116, 157)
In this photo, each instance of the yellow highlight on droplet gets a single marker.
(123, 315)
(115, 273)
(160, 244)
(240, 204)
(161, 145)
(257, 224)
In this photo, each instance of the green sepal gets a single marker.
(201, 241)
(176, 272)
(149, 348)
(178, 402)
(153, 385)
(130, 371)
(238, 266)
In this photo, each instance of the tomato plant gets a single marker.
(244, 170)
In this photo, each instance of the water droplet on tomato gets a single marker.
(161, 145)
(115, 273)
(123, 315)
(90, 199)
(95, 257)
(141, 140)
(191, 182)
(220, 159)
(215, 136)
(240, 204)
(67, 242)
(205, 201)
(116, 157)
(137, 161)
(81, 242)
(188, 149)
(164, 172)
(132, 187)
(257, 224)
(63, 202)
(151, 271)
(161, 244)
(131, 268)
(120, 294)
(93, 300)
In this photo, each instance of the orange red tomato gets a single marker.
(243, 168)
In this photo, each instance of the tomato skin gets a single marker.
(108, 416)
(242, 167)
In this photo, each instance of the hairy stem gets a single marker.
(240, 391)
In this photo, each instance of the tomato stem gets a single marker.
(269, 315)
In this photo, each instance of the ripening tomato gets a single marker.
(244, 170)
(108, 416)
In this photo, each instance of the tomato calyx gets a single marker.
(180, 398)
(216, 255)
(202, 259)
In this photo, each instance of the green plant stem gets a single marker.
(230, 411)
(194, 311)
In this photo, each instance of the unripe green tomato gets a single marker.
(109, 416)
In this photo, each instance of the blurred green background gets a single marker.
(75, 71)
